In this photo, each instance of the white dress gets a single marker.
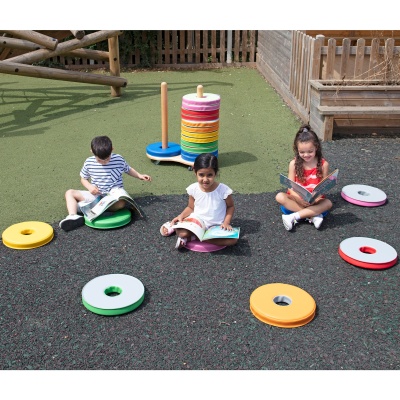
(210, 206)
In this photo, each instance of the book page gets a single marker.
(216, 232)
(325, 185)
(118, 193)
(101, 206)
(86, 208)
(300, 190)
(122, 194)
(193, 224)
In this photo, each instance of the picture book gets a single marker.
(197, 226)
(104, 201)
(323, 187)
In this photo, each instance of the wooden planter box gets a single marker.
(363, 107)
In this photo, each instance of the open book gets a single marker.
(324, 186)
(103, 201)
(196, 225)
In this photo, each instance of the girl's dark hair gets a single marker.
(101, 147)
(206, 160)
(303, 135)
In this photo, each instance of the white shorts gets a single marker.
(88, 197)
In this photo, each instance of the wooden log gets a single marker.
(90, 54)
(78, 34)
(113, 50)
(35, 37)
(21, 44)
(43, 54)
(60, 74)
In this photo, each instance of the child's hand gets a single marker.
(176, 219)
(226, 227)
(94, 190)
(299, 200)
(144, 177)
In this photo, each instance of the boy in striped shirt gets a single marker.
(99, 174)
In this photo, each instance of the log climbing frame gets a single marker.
(20, 49)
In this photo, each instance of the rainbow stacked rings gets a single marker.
(113, 294)
(367, 253)
(27, 235)
(363, 195)
(282, 305)
(115, 220)
(199, 125)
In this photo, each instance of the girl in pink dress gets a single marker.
(307, 168)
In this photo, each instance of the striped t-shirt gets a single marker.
(107, 176)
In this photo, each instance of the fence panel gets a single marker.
(310, 59)
(180, 49)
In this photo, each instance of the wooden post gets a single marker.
(60, 74)
(316, 57)
(199, 91)
(164, 115)
(113, 50)
(344, 60)
(359, 63)
(35, 37)
(43, 54)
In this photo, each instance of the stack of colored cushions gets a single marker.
(199, 125)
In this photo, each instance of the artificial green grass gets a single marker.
(46, 127)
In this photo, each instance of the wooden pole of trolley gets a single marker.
(164, 115)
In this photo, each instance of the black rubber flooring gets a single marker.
(196, 315)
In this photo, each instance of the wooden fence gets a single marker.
(303, 58)
(180, 49)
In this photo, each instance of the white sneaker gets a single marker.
(181, 242)
(317, 221)
(288, 221)
(72, 222)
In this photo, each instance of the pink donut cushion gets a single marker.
(203, 247)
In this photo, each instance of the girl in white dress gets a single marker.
(209, 200)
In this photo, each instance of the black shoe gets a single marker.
(72, 222)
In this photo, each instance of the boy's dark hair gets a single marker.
(303, 135)
(206, 160)
(101, 147)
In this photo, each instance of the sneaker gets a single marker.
(288, 221)
(72, 222)
(181, 242)
(317, 221)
